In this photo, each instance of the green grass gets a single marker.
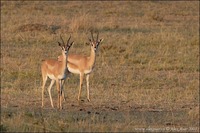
(147, 66)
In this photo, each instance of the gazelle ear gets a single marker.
(59, 44)
(90, 39)
(71, 43)
(101, 40)
(87, 43)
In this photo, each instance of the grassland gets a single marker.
(146, 75)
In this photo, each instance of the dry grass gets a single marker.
(146, 75)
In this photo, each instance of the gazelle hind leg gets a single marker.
(81, 82)
(44, 79)
(62, 88)
(60, 95)
(49, 90)
(88, 90)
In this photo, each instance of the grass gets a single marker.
(146, 75)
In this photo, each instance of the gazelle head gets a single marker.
(95, 43)
(65, 47)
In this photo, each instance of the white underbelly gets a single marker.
(75, 71)
(51, 76)
(88, 71)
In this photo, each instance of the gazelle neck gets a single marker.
(92, 57)
(64, 60)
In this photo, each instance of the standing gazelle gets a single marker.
(83, 64)
(56, 71)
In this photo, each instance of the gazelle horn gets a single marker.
(68, 41)
(97, 37)
(62, 40)
(92, 36)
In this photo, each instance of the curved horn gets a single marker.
(62, 40)
(97, 37)
(92, 36)
(68, 40)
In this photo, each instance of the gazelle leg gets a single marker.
(49, 90)
(43, 85)
(58, 90)
(88, 91)
(81, 82)
(62, 88)
(61, 92)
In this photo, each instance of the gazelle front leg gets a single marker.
(81, 82)
(43, 85)
(88, 90)
(49, 90)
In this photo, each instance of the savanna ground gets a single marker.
(146, 76)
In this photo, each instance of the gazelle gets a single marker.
(83, 65)
(56, 71)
